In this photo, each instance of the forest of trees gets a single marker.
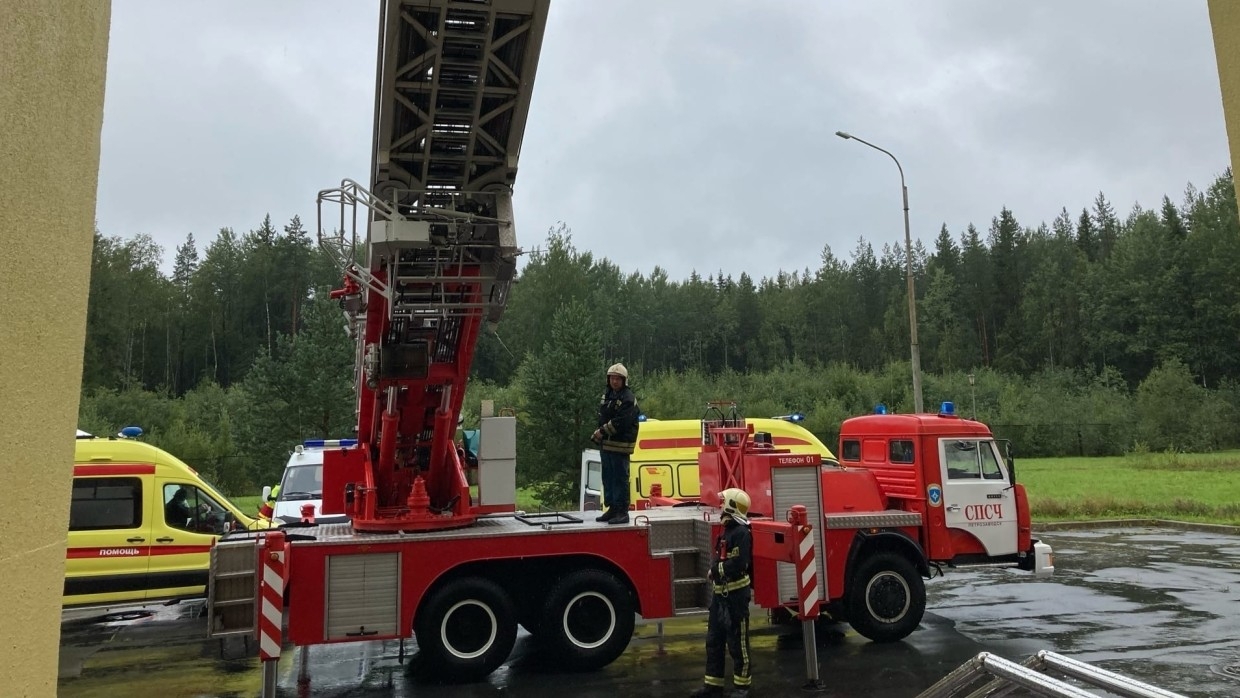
(1094, 334)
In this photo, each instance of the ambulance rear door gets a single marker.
(109, 541)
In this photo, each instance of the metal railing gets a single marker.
(990, 676)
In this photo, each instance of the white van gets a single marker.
(302, 482)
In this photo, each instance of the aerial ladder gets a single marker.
(428, 249)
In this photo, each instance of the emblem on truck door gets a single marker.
(935, 494)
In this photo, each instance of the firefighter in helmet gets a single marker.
(616, 437)
(730, 570)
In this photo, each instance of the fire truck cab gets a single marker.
(911, 492)
(955, 474)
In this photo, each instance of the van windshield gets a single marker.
(302, 482)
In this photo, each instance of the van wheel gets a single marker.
(886, 597)
(467, 628)
(588, 619)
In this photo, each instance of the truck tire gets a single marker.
(467, 629)
(886, 597)
(587, 620)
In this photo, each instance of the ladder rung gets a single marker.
(230, 575)
(232, 602)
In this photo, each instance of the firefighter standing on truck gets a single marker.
(730, 570)
(616, 437)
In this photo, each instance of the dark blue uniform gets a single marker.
(730, 570)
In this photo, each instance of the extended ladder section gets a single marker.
(455, 79)
(992, 676)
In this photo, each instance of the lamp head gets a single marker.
(843, 134)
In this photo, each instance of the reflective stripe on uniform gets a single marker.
(732, 586)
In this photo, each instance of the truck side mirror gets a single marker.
(1007, 459)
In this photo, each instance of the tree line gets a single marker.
(1093, 334)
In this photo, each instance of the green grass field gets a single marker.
(248, 505)
(1186, 487)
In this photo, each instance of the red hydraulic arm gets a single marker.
(438, 253)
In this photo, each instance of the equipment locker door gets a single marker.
(977, 494)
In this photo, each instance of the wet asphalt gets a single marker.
(1158, 604)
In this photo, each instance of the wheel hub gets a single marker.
(468, 629)
(888, 597)
(589, 619)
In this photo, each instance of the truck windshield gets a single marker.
(302, 482)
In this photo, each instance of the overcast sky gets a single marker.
(688, 134)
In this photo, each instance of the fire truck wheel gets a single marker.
(588, 619)
(467, 628)
(886, 598)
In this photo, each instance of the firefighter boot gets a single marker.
(607, 516)
(620, 517)
(707, 691)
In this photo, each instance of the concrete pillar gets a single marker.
(53, 55)
(1225, 23)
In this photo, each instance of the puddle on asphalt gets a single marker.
(1156, 605)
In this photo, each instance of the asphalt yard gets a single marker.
(1158, 604)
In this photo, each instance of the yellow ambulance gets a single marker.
(141, 525)
(666, 454)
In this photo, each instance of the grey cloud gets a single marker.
(690, 135)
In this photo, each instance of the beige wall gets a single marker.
(53, 55)
(1225, 21)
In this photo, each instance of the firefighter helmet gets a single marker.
(735, 503)
(619, 370)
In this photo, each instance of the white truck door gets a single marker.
(591, 480)
(977, 495)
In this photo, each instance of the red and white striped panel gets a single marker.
(807, 574)
(271, 601)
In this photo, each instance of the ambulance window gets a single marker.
(901, 451)
(851, 450)
(104, 503)
(990, 465)
(190, 509)
(686, 480)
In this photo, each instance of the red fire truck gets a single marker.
(910, 492)
(429, 251)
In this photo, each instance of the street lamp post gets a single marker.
(908, 259)
(973, 391)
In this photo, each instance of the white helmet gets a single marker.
(619, 370)
(735, 503)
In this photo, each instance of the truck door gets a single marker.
(977, 496)
(591, 480)
(188, 520)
